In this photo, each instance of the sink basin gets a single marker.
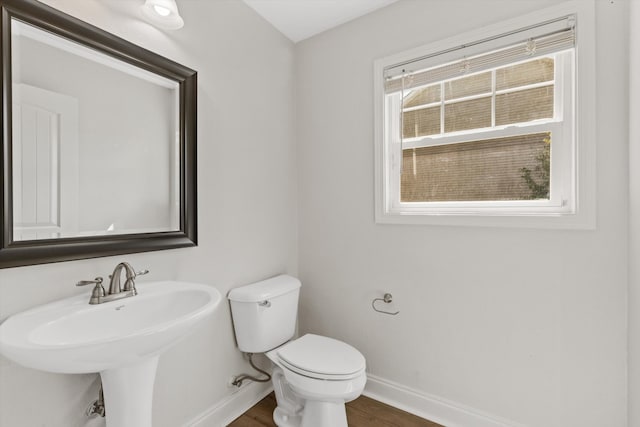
(71, 336)
(121, 339)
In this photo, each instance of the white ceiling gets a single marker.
(301, 19)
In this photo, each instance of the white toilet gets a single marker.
(313, 376)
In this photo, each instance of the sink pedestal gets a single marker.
(128, 394)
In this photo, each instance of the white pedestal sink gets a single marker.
(121, 339)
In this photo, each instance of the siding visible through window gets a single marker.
(476, 170)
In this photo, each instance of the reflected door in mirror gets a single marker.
(45, 136)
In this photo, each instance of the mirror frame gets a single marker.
(31, 252)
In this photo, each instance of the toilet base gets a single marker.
(321, 414)
(294, 411)
(314, 414)
(283, 419)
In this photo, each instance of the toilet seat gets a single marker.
(324, 358)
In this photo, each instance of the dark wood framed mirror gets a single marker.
(98, 142)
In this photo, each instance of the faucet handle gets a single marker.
(130, 285)
(97, 281)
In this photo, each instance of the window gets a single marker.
(487, 128)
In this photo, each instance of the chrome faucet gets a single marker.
(98, 295)
(129, 284)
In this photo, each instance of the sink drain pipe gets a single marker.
(97, 407)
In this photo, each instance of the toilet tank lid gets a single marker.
(265, 289)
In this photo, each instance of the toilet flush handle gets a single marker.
(265, 303)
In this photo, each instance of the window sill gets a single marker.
(576, 221)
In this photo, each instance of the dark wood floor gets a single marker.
(362, 412)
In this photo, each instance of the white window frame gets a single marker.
(573, 197)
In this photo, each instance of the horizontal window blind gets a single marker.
(538, 41)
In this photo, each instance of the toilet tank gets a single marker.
(264, 313)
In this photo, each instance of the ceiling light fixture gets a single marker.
(163, 14)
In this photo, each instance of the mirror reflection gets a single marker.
(95, 142)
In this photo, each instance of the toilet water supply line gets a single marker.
(237, 381)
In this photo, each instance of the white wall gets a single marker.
(634, 214)
(247, 209)
(524, 325)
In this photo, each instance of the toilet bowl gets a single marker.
(313, 376)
